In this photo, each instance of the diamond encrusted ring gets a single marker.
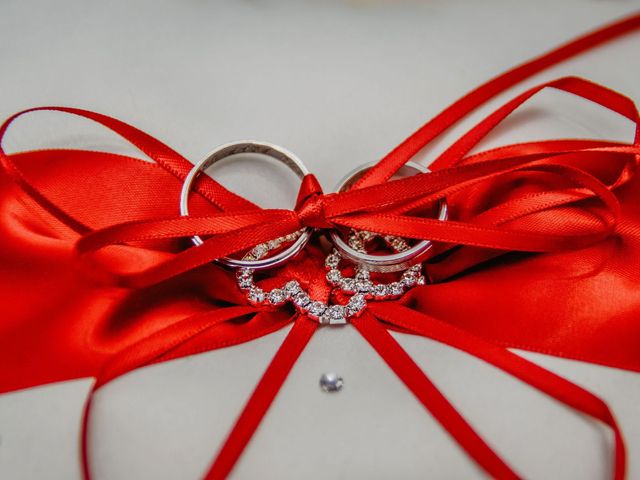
(400, 260)
(292, 292)
(362, 284)
(265, 149)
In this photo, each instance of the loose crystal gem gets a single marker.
(277, 296)
(331, 383)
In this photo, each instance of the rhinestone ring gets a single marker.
(293, 292)
(262, 148)
(362, 283)
(384, 263)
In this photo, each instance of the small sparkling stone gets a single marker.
(396, 288)
(362, 274)
(245, 282)
(277, 296)
(356, 244)
(330, 382)
(316, 309)
(367, 236)
(421, 280)
(397, 243)
(273, 244)
(363, 286)
(380, 291)
(334, 276)
(334, 315)
(301, 299)
(259, 250)
(348, 284)
(244, 273)
(332, 260)
(409, 280)
(400, 246)
(256, 295)
(292, 288)
(356, 304)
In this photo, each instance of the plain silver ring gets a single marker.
(384, 263)
(234, 148)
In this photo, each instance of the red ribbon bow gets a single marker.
(548, 196)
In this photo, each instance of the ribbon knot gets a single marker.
(310, 204)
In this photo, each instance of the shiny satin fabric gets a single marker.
(543, 255)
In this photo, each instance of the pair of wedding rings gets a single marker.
(360, 287)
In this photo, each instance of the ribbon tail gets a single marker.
(262, 397)
(548, 382)
(431, 398)
(147, 351)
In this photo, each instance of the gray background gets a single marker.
(339, 83)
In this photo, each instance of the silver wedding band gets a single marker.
(235, 148)
(392, 262)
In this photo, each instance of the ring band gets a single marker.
(248, 146)
(384, 263)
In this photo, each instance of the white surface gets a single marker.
(339, 84)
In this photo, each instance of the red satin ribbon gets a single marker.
(576, 200)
